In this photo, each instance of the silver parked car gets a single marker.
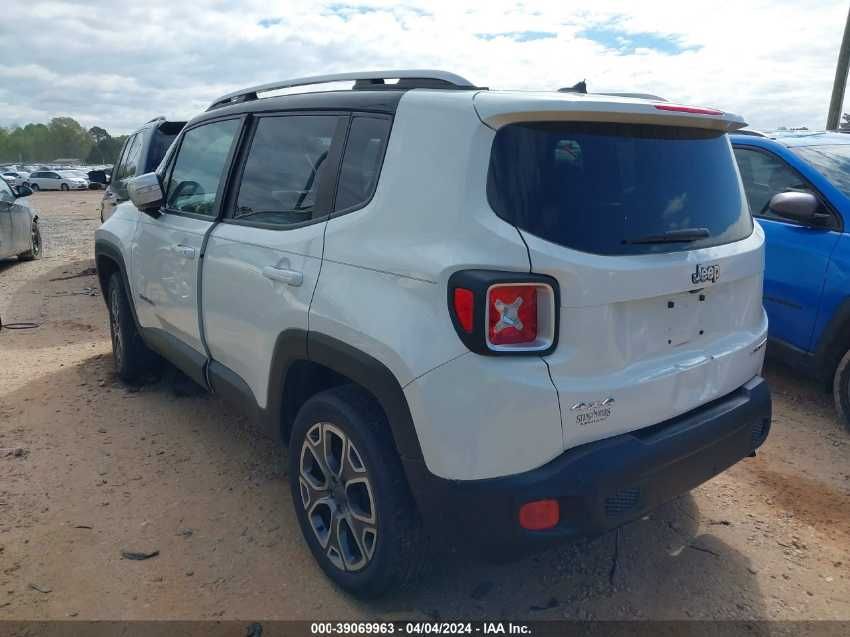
(57, 180)
(19, 232)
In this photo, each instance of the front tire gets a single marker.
(64, 187)
(35, 244)
(133, 359)
(350, 495)
(841, 390)
(34, 187)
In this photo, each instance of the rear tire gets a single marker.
(356, 512)
(35, 245)
(133, 359)
(34, 187)
(64, 187)
(841, 390)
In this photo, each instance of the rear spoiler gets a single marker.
(497, 109)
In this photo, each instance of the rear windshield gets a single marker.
(162, 138)
(618, 188)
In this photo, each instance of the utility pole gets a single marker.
(840, 83)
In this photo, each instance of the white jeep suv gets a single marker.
(503, 317)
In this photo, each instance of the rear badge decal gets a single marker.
(705, 273)
(594, 411)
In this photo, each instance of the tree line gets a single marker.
(62, 137)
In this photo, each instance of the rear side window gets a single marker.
(283, 170)
(361, 164)
(127, 167)
(617, 189)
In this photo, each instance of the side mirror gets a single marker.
(801, 207)
(23, 191)
(145, 192)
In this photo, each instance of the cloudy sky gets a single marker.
(116, 64)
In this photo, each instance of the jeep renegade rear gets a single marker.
(510, 318)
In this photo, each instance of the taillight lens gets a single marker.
(464, 304)
(499, 313)
(512, 314)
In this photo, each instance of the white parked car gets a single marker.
(57, 180)
(508, 318)
(16, 178)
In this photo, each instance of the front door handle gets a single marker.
(283, 275)
(187, 252)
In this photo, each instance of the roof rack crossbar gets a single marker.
(449, 80)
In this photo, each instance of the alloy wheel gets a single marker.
(36, 240)
(115, 323)
(337, 496)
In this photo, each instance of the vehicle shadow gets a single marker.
(64, 300)
(5, 264)
(667, 566)
(182, 459)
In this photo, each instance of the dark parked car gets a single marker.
(98, 179)
(141, 153)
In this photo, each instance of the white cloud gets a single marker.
(119, 65)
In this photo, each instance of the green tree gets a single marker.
(62, 137)
(68, 138)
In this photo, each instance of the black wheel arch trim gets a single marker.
(834, 339)
(377, 379)
(105, 249)
(296, 345)
(821, 362)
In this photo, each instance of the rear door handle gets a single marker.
(187, 252)
(283, 275)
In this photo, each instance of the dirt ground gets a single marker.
(105, 468)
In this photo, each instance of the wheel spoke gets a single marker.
(334, 442)
(361, 500)
(312, 467)
(334, 547)
(352, 466)
(365, 535)
(322, 517)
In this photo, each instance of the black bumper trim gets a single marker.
(603, 484)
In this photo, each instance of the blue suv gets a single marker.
(798, 187)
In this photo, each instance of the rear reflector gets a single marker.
(512, 314)
(464, 306)
(539, 515)
(688, 109)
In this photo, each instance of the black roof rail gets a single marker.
(407, 78)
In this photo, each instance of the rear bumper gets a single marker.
(600, 485)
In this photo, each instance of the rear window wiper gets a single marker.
(683, 235)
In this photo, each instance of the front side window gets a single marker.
(613, 189)
(283, 170)
(199, 167)
(764, 175)
(361, 164)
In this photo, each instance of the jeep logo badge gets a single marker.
(705, 273)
